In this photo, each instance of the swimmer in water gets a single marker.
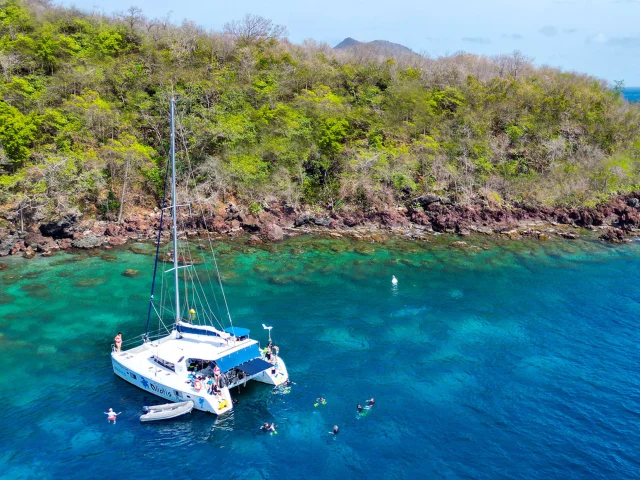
(111, 416)
(321, 400)
(335, 430)
(370, 402)
(268, 428)
(359, 408)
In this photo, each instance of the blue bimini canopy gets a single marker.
(254, 366)
(238, 357)
(238, 331)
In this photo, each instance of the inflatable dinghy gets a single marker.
(166, 411)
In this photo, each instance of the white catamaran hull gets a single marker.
(202, 400)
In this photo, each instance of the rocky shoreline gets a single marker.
(424, 216)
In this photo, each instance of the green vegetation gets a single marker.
(84, 120)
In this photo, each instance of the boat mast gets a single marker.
(174, 210)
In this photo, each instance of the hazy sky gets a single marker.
(599, 37)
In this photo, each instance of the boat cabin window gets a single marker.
(196, 365)
(164, 363)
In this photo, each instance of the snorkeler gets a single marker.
(335, 430)
(359, 408)
(370, 402)
(268, 428)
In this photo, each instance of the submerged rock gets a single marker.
(613, 235)
(91, 282)
(282, 280)
(11, 278)
(35, 289)
(254, 240)
(130, 272)
(5, 298)
(569, 235)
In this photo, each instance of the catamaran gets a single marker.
(193, 360)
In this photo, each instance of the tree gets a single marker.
(254, 28)
(16, 133)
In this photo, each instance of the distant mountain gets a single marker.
(382, 46)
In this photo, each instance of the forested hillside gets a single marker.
(84, 121)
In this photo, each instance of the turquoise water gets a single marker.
(513, 360)
(632, 94)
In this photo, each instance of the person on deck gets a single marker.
(217, 374)
(268, 355)
(118, 341)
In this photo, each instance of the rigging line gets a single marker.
(155, 265)
(190, 173)
(195, 277)
(182, 253)
(196, 293)
(193, 274)
(222, 290)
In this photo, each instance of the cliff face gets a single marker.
(425, 216)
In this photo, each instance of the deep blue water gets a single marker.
(632, 94)
(518, 360)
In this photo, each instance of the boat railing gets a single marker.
(141, 339)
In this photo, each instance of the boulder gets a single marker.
(29, 253)
(251, 223)
(613, 235)
(321, 221)
(64, 244)
(19, 246)
(90, 241)
(254, 240)
(115, 241)
(302, 220)
(113, 230)
(273, 232)
(130, 272)
(425, 200)
(633, 203)
(6, 244)
(39, 242)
